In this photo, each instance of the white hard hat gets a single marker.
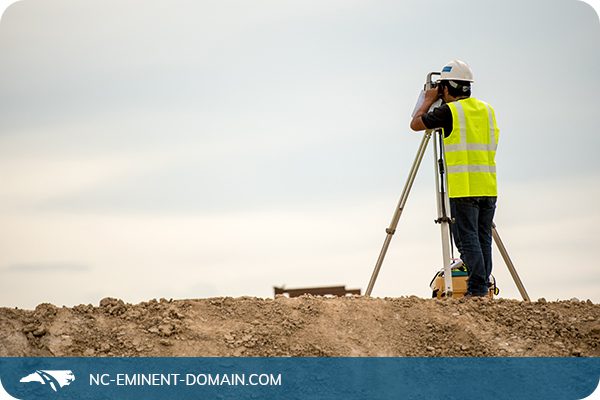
(456, 70)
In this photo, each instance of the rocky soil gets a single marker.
(305, 326)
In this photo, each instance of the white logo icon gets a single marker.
(55, 378)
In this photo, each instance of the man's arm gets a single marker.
(417, 124)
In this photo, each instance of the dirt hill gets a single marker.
(305, 326)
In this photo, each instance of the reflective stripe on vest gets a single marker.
(470, 149)
(471, 168)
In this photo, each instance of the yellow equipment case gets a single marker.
(460, 276)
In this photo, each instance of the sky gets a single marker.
(191, 149)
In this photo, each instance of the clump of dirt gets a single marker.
(305, 326)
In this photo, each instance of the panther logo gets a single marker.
(55, 379)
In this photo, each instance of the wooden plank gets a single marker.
(317, 291)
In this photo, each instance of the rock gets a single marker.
(29, 328)
(246, 337)
(89, 352)
(40, 331)
(166, 329)
(104, 347)
(228, 337)
(108, 301)
(45, 310)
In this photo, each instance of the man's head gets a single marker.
(452, 90)
(455, 81)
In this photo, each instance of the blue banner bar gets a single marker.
(298, 378)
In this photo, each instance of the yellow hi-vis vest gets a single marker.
(470, 149)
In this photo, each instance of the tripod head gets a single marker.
(430, 83)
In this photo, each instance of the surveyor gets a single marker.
(470, 141)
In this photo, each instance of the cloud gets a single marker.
(44, 267)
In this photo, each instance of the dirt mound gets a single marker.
(305, 326)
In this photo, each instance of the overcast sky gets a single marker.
(188, 149)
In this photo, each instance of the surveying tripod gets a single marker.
(443, 208)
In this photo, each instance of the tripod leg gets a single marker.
(509, 263)
(392, 228)
(443, 207)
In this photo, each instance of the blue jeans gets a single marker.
(472, 231)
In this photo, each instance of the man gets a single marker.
(470, 141)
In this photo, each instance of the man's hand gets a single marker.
(431, 96)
